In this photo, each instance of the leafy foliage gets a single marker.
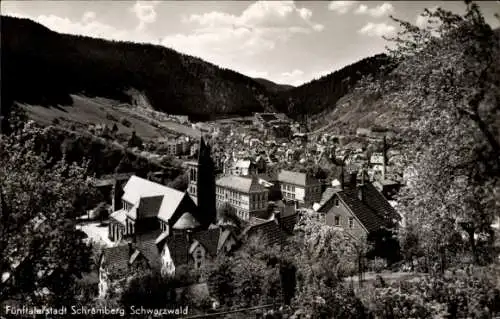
(384, 244)
(40, 248)
(447, 84)
(149, 290)
(458, 294)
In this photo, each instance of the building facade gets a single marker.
(244, 194)
(359, 210)
(299, 187)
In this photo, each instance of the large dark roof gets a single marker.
(178, 246)
(116, 259)
(287, 223)
(373, 210)
(376, 201)
(269, 232)
(370, 220)
(209, 239)
(151, 252)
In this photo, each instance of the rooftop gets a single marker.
(296, 178)
(186, 221)
(240, 183)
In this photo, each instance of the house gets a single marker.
(378, 163)
(243, 168)
(174, 147)
(245, 194)
(207, 244)
(148, 206)
(286, 215)
(117, 263)
(163, 252)
(299, 187)
(359, 210)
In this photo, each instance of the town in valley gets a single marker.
(139, 181)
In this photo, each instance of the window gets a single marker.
(351, 222)
(337, 220)
(336, 202)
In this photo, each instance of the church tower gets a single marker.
(202, 182)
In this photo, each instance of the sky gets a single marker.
(284, 41)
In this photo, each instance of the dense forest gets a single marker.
(43, 67)
(274, 87)
(322, 94)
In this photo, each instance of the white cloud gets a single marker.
(362, 9)
(219, 36)
(145, 13)
(305, 13)
(256, 74)
(292, 74)
(87, 16)
(88, 25)
(341, 7)
(377, 29)
(377, 12)
(318, 27)
(264, 14)
(295, 77)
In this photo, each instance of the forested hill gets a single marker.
(322, 94)
(40, 66)
(274, 87)
(43, 67)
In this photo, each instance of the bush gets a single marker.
(458, 294)
(378, 264)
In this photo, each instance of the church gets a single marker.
(164, 228)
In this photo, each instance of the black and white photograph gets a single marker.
(250, 159)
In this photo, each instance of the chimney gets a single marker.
(277, 215)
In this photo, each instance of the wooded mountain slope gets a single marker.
(322, 94)
(40, 66)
